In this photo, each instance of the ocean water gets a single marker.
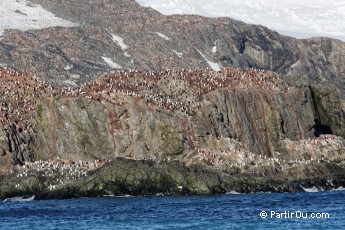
(232, 211)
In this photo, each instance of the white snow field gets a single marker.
(296, 18)
(111, 63)
(119, 41)
(23, 15)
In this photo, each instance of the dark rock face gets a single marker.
(173, 178)
(147, 177)
(258, 119)
(21, 145)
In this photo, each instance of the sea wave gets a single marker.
(233, 192)
(338, 189)
(111, 195)
(19, 199)
(312, 189)
(126, 195)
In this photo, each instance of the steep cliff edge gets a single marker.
(175, 119)
(224, 130)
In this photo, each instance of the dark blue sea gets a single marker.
(319, 210)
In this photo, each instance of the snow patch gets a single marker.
(75, 76)
(297, 18)
(111, 63)
(163, 36)
(213, 65)
(70, 82)
(23, 15)
(295, 65)
(214, 49)
(68, 67)
(119, 41)
(178, 54)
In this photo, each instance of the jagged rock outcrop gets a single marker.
(147, 177)
(82, 128)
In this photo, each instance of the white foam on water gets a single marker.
(233, 192)
(108, 195)
(312, 189)
(124, 196)
(19, 199)
(338, 189)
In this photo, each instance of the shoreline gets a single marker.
(126, 177)
(27, 198)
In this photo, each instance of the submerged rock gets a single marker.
(146, 177)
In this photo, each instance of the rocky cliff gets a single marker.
(223, 130)
(168, 118)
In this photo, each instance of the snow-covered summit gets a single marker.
(295, 18)
(23, 15)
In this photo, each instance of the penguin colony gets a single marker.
(179, 91)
